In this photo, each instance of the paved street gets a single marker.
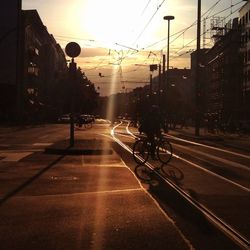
(88, 196)
(123, 132)
(75, 201)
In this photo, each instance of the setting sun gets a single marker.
(112, 21)
(128, 33)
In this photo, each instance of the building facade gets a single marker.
(224, 78)
(44, 65)
(10, 16)
(41, 63)
(221, 79)
(244, 14)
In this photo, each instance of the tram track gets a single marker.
(216, 220)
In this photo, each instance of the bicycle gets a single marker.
(83, 122)
(142, 150)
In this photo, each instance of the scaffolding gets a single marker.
(217, 29)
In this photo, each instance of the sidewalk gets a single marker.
(72, 201)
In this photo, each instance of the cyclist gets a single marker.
(151, 125)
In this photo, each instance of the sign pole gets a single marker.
(72, 72)
(73, 50)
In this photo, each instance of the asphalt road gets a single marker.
(215, 175)
(94, 201)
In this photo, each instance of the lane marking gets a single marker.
(14, 157)
(197, 166)
(42, 144)
(127, 190)
(19, 150)
(211, 147)
(227, 229)
(214, 174)
(228, 162)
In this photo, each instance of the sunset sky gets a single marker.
(120, 38)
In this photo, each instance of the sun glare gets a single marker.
(111, 21)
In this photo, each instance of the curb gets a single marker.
(77, 151)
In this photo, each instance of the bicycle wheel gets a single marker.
(143, 173)
(78, 126)
(164, 151)
(88, 125)
(140, 151)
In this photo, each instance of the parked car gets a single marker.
(65, 118)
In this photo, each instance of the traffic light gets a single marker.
(153, 67)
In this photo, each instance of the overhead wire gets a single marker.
(179, 33)
(203, 34)
(147, 24)
(145, 7)
(206, 30)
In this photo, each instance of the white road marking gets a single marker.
(161, 210)
(230, 163)
(42, 144)
(14, 157)
(212, 173)
(211, 147)
(86, 193)
(191, 163)
(43, 137)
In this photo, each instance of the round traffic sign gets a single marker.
(73, 49)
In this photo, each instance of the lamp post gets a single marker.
(168, 18)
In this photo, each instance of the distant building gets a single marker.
(245, 52)
(199, 90)
(221, 78)
(223, 88)
(30, 69)
(177, 101)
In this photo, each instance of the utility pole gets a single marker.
(152, 67)
(19, 63)
(159, 85)
(164, 73)
(150, 85)
(197, 75)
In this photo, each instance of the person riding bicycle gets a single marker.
(151, 124)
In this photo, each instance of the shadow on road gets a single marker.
(29, 181)
(62, 148)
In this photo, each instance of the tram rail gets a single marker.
(215, 220)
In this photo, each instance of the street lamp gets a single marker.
(168, 18)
